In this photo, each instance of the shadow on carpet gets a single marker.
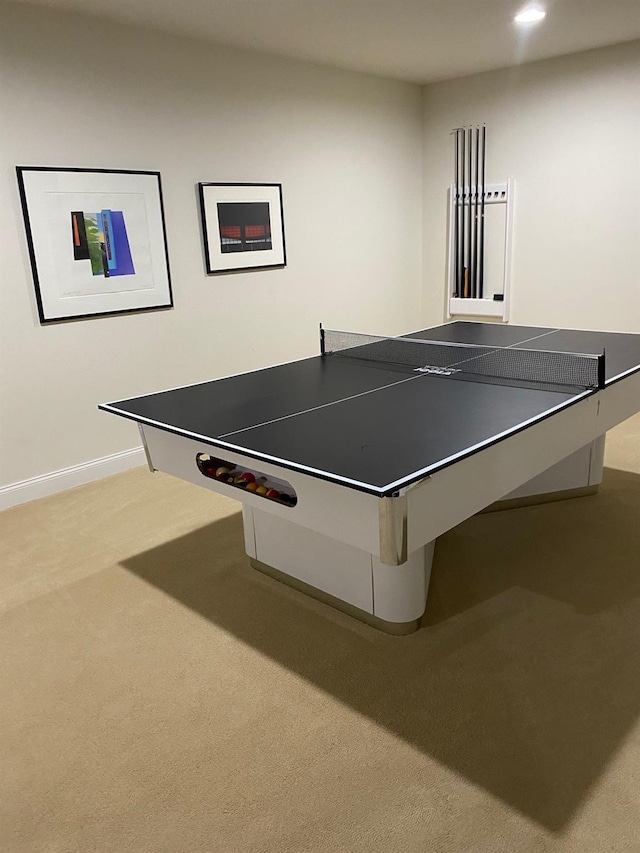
(524, 677)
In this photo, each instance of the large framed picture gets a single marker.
(96, 239)
(242, 226)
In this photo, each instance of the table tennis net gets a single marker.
(459, 361)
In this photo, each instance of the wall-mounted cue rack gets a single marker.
(480, 232)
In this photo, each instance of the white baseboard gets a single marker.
(68, 478)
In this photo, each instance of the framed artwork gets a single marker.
(242, 226)
(96, 239)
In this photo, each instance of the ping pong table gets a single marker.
(351, 463)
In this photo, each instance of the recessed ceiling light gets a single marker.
(530, 15)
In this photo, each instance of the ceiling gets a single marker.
(420, 41)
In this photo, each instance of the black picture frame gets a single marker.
(242, 226)
(96, 239)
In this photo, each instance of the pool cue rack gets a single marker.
(480, 233)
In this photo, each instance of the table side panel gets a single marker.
(573, 472)
(345, 514)
(455, 493)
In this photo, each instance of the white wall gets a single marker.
(346, 147)
(568, 131)
(351, 152)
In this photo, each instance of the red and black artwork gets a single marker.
(244, 226)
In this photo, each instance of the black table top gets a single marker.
(370, 425)
(622, 350)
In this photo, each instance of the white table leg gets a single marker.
(393, 598)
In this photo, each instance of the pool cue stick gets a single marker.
(472, 250)
(460, 214)
(471, 236)
(481, 261)
(463, 237)
(470, 213)
(454, 202)
(470, 146)
(475, 217)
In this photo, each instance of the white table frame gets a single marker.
(372, 556)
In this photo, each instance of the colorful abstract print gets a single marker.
(101, 238)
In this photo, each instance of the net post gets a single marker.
(601, 371)
(322, 352)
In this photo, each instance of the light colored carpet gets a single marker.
(160, 695)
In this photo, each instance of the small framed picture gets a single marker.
(242, 226)
(96, 239)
